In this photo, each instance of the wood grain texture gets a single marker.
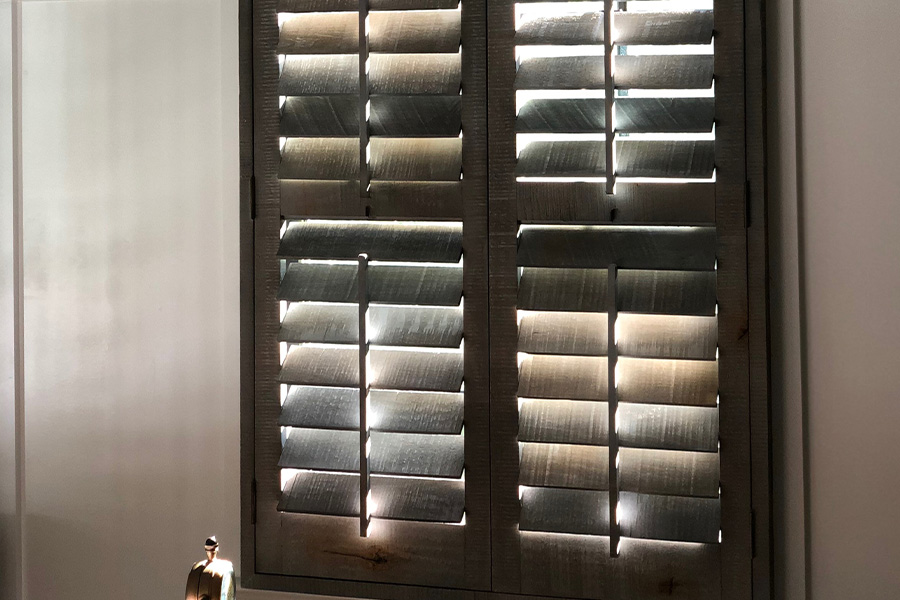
(389, 325)
(341, 5)
(563, 377)
(319, 33)
(669, 472)
(407, 74)
(392, 453)
(317, 75)
(381, 241)
(632, 72)
(687, 248)
(387, 200)
(667, 336)
(416, 159)
(668, 28)
(420, 31)
(563, 422)
(388, 284)
(319, 158)
(319, 116)
(414, 116)
(633, 115)
(314, 407)
(564, 466)
(565, 511)
(569, 333)
(664, 381)
(670, 518)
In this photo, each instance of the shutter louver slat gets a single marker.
(634, 115)
(586, 512)
(416, 159)
(415, 32)
(312, 407)
(319, 158)
(410, 74)
(563, 466)
(345, 5)
(399, 498)
(319, 75)
(319, 116)
(416, 116)
(563, 377)
(422, 455)
(679, 72)
(644, 28)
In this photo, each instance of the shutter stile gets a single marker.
(660, 481)
(371, 126)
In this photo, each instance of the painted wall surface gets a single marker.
(849, 136)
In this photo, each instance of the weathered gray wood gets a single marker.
(667, 336)
(340, 5)
(646, 336)
(417, 370)
(640, 425)
(633, 115)
(669, 472)
(551, 289)
(563, 377)
(319, 33)
(381, 241)
(406, 74)
(586, 72)
(689, 248)
(391, 369)
(633, 203)
(420, 31)
(670, 518)
(564, 466)
(663, 381)
(392, 453)
(583, 512)
(693, 27)
(668, 292)
(390, 325)
(387, 199)
(319, 158)
(669, 427)
(389, 284)
(564, 422)
(691, 159)
(314, 407)
(413, 116)
(570, 333)
(319, 116)
(416, 159)
(319, 75)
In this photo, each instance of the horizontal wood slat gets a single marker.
(318, 75)
(647, 336)
(395, 498)
(320, 116)
(643, 516)
(641, 425)
(563, 377)
(690, 72)
(392, 411)
(392, 453)
(662, 381)
(390, 369)
(633, 115)
(387, 199)
(414, 32)
(564, 466)
(675, 248)
(381, 241)
(665, 28)
(344, 5)
(400, 116)
(319, 158)
(692, 159)
(388, 284)
(583, 512)
(416, 159)
(389, 325)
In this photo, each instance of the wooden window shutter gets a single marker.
(371, 423)
(620, 361)
(499, 266)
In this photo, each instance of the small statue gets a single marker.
(211, 579)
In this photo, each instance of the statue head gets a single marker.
(212, 548)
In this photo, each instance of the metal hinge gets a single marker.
(253, 502)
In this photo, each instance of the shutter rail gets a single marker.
(365, 508)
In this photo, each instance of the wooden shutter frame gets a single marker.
(748, 559)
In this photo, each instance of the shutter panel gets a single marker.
(371, 415)
(610, 204)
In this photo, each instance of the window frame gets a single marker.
(747, 561)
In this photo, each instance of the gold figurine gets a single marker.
(211, 579)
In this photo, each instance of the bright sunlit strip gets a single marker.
(523, 97)
(659, 50)
(672, 137)
(669, 5)
(526, 12)
(286, 476)
(523, 140)
(524, 53)
(561, 179)
(652, 93)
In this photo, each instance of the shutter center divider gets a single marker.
(613, 404)
(365, 501)
(364, 108)
(609, 94)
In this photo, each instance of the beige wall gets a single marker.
(130, 186)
